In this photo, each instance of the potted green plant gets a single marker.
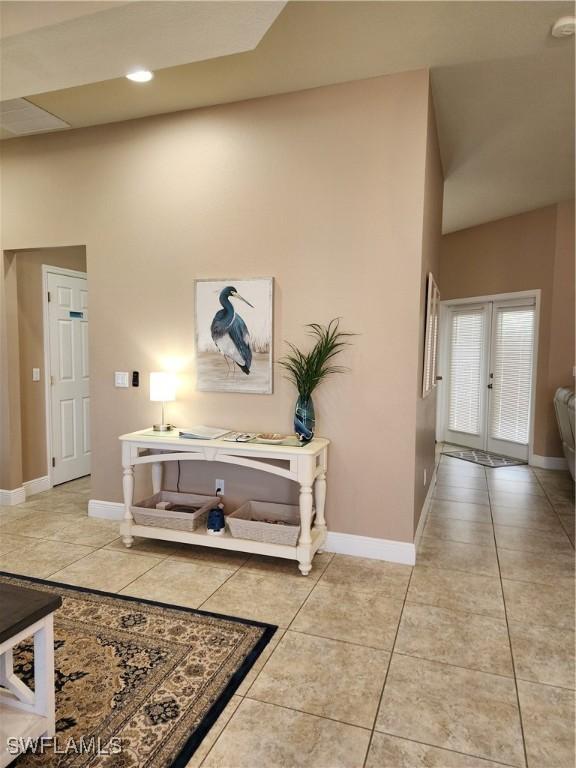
(307, 369)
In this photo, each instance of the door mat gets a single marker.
(485, 458)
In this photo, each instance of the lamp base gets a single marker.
(162, 427)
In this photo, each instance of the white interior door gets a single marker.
(489, 376)
(468, 355)
(69, 376)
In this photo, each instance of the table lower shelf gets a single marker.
(17, 724)
(225, 541)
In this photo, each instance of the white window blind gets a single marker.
(435, 324)
(431, 339)
(466, 343)
(433, 346)
(428, 362)
(512, 368)
(432, 350)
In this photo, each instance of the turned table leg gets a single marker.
(305, 542)
(320, 498)
(157, 468)
(128, 488)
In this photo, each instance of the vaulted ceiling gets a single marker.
(503, 87)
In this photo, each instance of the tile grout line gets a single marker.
(293, 619)
(489, 546)
(510, 646)
(457, 666)
(559, 519)
(310, 714)
(490, 615)
(217, 739)
(139, 576)
(220, 586)
(114, 591)
(265, 574)
(380, 698)
(446, 749)
(483, 574)
(339, 640)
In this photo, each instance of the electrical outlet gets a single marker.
(425, 475)
(219, 486)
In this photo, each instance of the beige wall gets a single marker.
(31, 349)
(431, 240)
(10, 435)
(516, 254)
(321, 189)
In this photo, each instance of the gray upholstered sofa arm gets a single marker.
(564, 406)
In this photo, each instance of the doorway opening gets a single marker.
(47, 352)
(488, 361)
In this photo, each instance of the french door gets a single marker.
(489, 375)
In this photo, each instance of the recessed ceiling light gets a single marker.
(140, 76)
(564, 27)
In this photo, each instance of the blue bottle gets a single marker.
(216, 523)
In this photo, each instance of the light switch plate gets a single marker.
(35, 374)
(121, 379)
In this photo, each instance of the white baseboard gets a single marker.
(10, 498)
(342, 543)
(375, 549)
(110, 510)
(425, 508)
(38, 485)
(548, 462)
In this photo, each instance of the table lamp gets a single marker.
(162, 390)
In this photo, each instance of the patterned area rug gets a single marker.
(150, 677)
(483, 457)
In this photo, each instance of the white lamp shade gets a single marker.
(162, 387)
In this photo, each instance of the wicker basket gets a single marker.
(248, 522)
(146, 513)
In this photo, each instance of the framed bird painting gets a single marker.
(234, 335)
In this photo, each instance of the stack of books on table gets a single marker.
(203, 433)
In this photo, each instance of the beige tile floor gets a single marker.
(465, 661)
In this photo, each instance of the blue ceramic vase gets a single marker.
(304, 419)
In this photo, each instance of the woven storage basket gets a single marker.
(145, 512)
(248, 522)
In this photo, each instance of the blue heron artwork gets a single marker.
(229, 331)
(234, 335)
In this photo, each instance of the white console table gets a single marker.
(305, 465)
